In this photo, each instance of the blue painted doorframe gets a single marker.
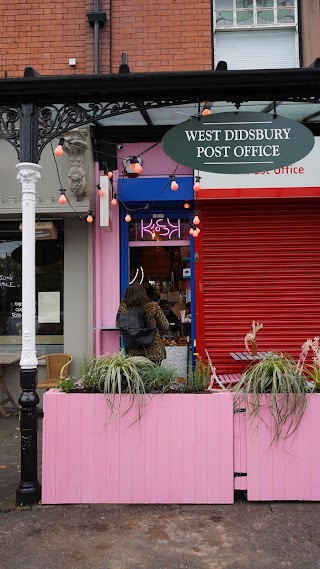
(124, 252)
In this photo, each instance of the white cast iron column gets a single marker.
(29, 490)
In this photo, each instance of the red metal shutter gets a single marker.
(261, 261)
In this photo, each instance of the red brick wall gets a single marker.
(162, 35)
(157, 35)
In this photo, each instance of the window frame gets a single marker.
(255, 25)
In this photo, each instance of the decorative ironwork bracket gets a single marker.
(54, 120)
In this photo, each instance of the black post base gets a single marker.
(29, 491)
(28, 494)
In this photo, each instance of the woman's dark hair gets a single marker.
(135, 295)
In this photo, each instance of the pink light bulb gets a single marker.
(89, 218)
(174, 186)
(128, 218)
(62, 199)
(58, 151)
(101, 192)
(196, 220)
(114, 201)
(138, 168)
(110, 174)
(196, 186)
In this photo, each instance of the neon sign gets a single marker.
(160, 229)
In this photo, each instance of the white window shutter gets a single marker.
(263, 49)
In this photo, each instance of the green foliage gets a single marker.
(199, 378)
(123, 374)
(91, 374)
(312, 373)
(278, 375)
(68, 384)
(159, 379)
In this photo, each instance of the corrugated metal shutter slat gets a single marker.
(261, 261)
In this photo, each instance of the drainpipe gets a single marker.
(96, 19)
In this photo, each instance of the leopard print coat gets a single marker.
(156, 351)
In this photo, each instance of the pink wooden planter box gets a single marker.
(179, 451)
(288, 469)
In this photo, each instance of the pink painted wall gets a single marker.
(173, 454)
(155, 161)
(106, 279)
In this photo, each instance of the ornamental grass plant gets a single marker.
(286, 385)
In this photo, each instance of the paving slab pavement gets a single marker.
(245, 535)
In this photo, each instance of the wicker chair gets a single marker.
(57, 366)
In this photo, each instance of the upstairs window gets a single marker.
(254, 13)
(264, 33)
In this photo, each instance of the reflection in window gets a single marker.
(49, 278)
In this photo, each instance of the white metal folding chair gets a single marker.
(224, 381)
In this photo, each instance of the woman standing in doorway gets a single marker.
(136, 297)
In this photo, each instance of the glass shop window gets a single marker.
(49, 283)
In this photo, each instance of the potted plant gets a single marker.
(280, 378)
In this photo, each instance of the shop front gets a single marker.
(258, 260)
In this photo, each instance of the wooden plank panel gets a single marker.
(138, 460)
(49, 448)
(126, 417)
(62, 450)
(75, 450)
(100, 451)
(314, 445)
(202, 478)
(176, 452)
(163, 441)
(188, 449)
(240, 447)
(87, 447)
(150, 413)
(220, 449)
(113, 457)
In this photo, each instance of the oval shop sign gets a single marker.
(238, 142)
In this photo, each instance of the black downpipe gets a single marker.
(96, 19)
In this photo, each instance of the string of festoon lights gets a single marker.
(136, 167)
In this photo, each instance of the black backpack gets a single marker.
(137, 332)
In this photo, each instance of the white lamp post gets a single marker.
(29, 490)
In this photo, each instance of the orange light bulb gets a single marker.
(114, 201)
(101, 192)
(198, 230)
(132, 166)
(58, 151)
(174, 186)
(62, 199)
(89, 218)
(191, 230)
(110, 174)
(196, 186)
(138, 168)
(186, 205)
(195, 233)
(206, 112)
(128, 218)
(196, 220)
